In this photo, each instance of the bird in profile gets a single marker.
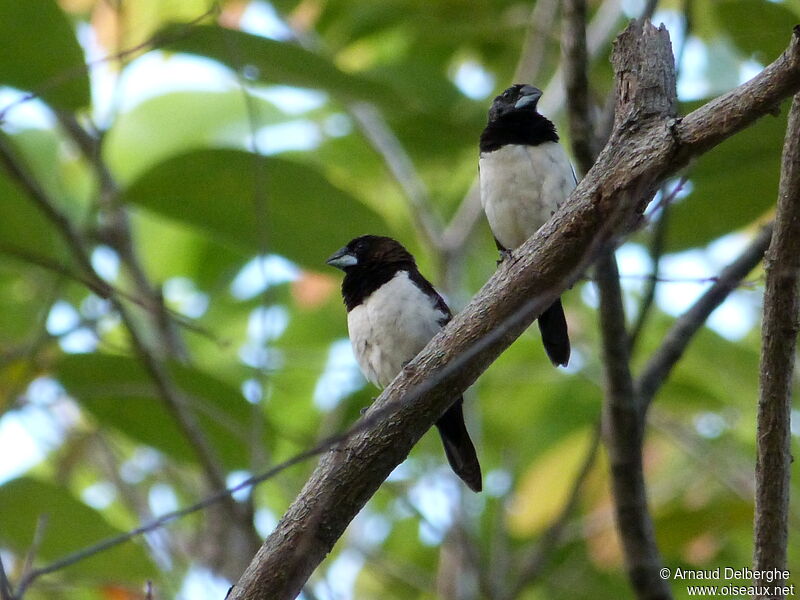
(392, 313)
(525, 176)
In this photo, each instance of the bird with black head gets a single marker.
(392, 313)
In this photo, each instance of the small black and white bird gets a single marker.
(525, 175)
(392, 313)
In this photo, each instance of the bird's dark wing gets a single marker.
(427, 287)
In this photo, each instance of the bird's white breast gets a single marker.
(521, 187)
(390, 327)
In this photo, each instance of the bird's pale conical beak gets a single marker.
(341, 259)
(530, 97)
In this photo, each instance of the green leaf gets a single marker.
(761, 29)
(255, 203)
(511, 399)
(207, 119)
(306, 344)
(144, 17)
(555, 471)
(42, 54)
(69, 525)
(120, 394)
(283, 63)
(23, 227)
(176, 249)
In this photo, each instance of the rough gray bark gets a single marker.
(582, 136)
(623, 423)
(646, 147)
(779, 336)
(623, 432)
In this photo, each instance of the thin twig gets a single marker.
(539, 557)
(658, 367)
(748, 283)
(222, 494)
(779, 340)
(72, 236)
(537, 36)
(117, 233)
(656, 250)
(649, 294)
(717, 462)
(105, 290)
(373, 125)
(36, 542)
(6, 593)
(65, 76)
(169, 393)
(209, 500)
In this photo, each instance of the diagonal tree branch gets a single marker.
(102, 288)
(779, 340)
(647, 146)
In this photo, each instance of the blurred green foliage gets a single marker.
(201, 205)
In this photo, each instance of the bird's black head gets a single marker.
(514, 119)
(368, 262)
(518, 98)
(370, 252)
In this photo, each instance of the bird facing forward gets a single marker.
(392, 313)
(525, 176)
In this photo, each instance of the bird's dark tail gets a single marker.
(553, 325)
(458, 446)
